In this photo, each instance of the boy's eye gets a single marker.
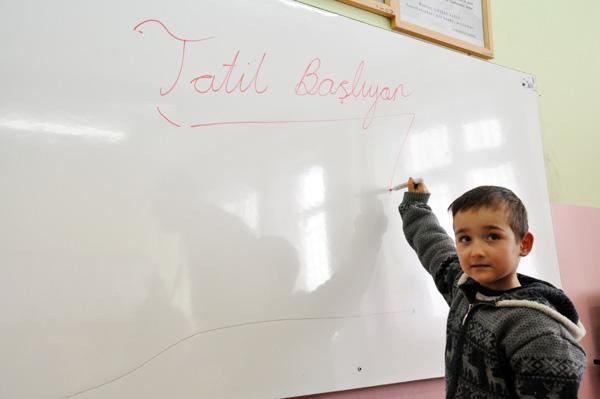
(464, 239)
(493, 236)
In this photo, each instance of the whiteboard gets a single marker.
(194, 196)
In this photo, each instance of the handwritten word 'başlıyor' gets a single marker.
(312, 84)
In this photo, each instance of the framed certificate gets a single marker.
(381, 7)
(464, 25)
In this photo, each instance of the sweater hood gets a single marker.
(534, 294)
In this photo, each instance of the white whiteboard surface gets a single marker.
(160, 242)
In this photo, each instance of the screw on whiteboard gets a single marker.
(359, 369)
(529, 82)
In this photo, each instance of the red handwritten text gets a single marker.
(184, 45)
(229, 70)
(239, 75)
(232, 73)
(311, 84)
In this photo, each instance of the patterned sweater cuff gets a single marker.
(413, 198)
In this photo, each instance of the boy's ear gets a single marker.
(526, 244)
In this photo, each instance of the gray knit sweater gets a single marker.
(521, 343)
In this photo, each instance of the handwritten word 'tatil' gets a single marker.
(229, 70)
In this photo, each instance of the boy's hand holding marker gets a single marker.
(414, 185)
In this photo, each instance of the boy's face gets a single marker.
(487, 248)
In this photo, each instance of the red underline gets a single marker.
(167, 119)
(283, 121)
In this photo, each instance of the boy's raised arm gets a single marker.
(430, 241)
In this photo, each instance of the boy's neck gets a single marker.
(494, 292)
(505, 284)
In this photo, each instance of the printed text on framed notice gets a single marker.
(464, 25)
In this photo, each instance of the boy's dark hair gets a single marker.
(495, 197)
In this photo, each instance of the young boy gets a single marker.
(508, 335)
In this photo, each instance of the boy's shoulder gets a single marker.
(538, 308)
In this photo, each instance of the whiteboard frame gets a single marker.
(486, 52)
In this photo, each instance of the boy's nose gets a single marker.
(477, 251)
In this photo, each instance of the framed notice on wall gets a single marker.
(381, 7)
(464, 25)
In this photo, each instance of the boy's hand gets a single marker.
(417, 188)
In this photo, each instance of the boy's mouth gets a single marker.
(479, 266)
